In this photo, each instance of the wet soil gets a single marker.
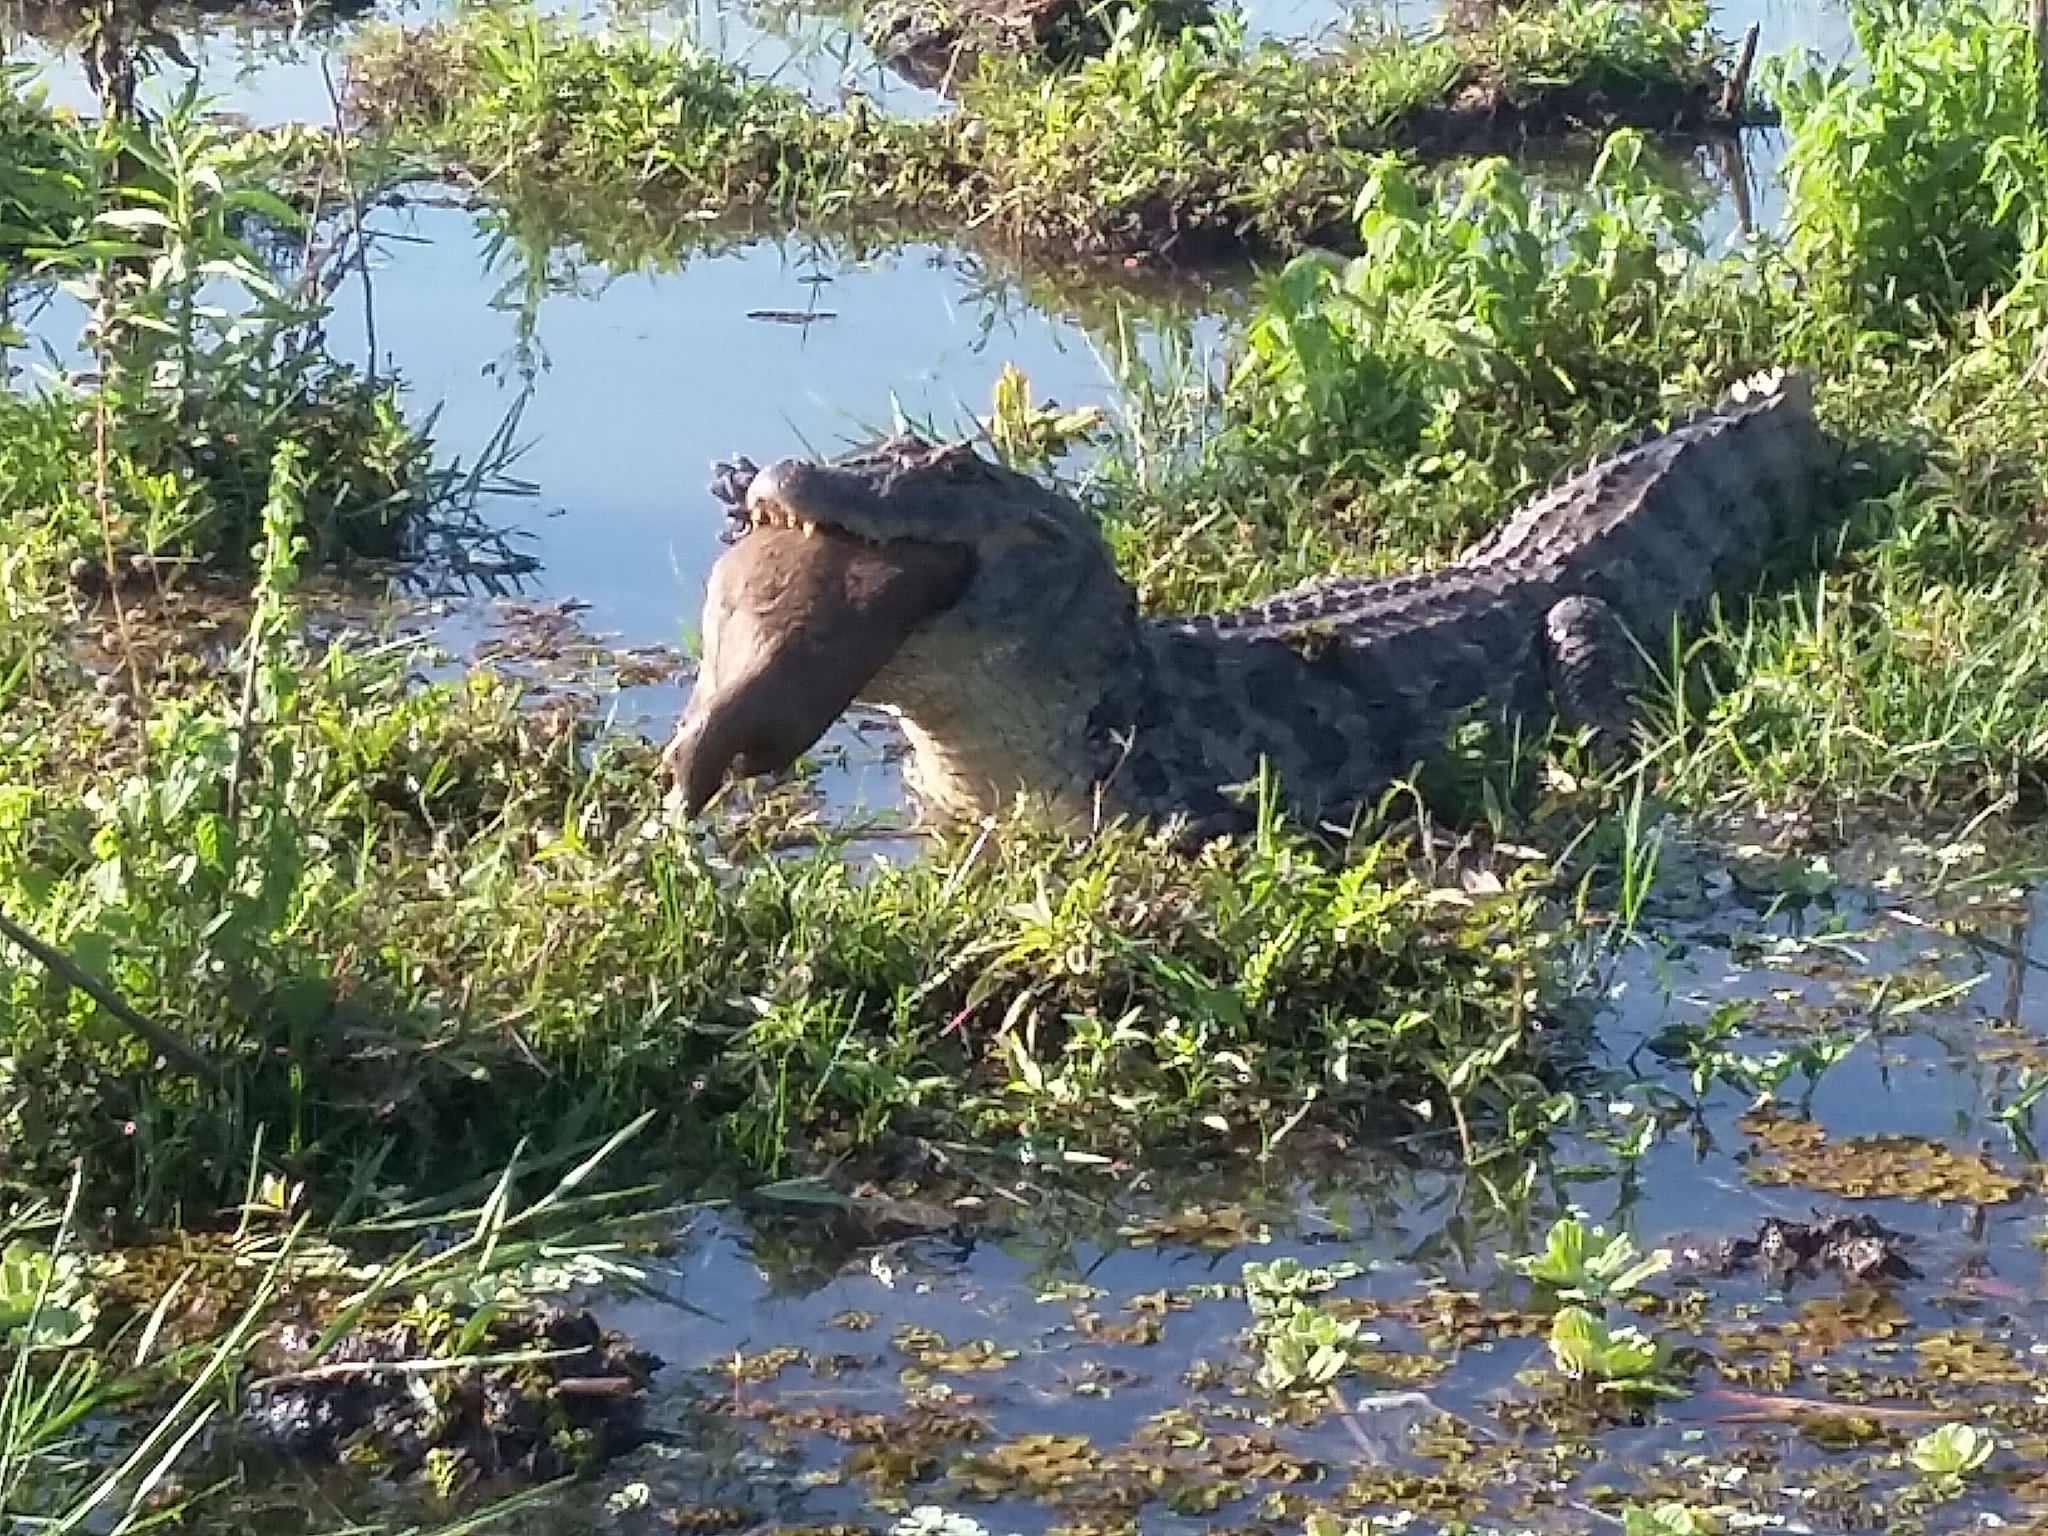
(1497, 117)
(542, 1392)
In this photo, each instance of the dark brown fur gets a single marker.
(794, 624)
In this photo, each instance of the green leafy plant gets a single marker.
(1302, 1347)
(1623, 1360)
(1285, 1284)
(1918, 175)
(1949, 1454)
(1305, 1349)
(1664, 1520)
(1582, 1263)
(1473, 283)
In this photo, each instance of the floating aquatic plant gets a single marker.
(1582, 1263)
(1622, 1360)
(1952, 1452)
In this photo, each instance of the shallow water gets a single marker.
(1064, 1317)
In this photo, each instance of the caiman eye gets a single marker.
(966, 467)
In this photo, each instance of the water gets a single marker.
(1071, 1313)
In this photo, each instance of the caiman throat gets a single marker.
(984, 610)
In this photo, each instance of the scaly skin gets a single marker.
(1040, 681)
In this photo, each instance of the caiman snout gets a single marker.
(796, 621)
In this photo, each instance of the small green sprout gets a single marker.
(1951, 1453)
(1664, 1520)
(1582, 1263)
(44, 1301)
(1624, 1360)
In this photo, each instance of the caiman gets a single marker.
(985, 611)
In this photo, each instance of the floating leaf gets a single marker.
(1952, 1451)
(1228, 1226)
(1582, 1263)
(1620, 1359)
(1872, 1167)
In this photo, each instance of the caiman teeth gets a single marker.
(772, 515)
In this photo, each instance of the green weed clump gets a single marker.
(1918, 178)
(208, 355)
(1185, 145)
(536, 102)
(1198, 144)
(1488, 287)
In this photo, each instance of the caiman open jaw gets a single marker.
(979, 605)
(796, 621)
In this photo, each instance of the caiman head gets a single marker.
(979, 606)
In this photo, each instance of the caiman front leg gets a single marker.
(1596, 670)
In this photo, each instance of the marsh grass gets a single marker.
(1918, 181)
(1498, 329)
(1186, 145)
(203, 349)
(525, 100)
(436, 927)
(1201, 145)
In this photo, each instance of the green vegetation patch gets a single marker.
(1203, 145)
(1185, 145)
(45, 168)
(423, 928)
(522, 100)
